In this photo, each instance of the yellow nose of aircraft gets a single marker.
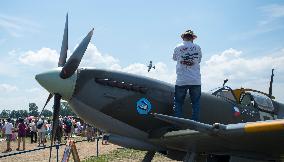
(53, 83)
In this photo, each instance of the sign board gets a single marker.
(70, 148)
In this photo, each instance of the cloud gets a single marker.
(45, 58)
(17, 101)
(238, 67)
(16, 26)
(271, 20)
(257, 31)
(243, 71)
(8, 88)
(274, 10)
(272, 13)
(95, 58)
(161, 71)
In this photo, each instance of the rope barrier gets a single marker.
(37, 149)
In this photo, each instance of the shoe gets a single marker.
(5, 151)
(10, 150)
(18, 149)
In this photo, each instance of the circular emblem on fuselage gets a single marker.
(143, 106)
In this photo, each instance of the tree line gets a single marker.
(34, 111)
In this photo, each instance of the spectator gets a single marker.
(33, 131)
(67, 128)
(48, 128)
(79, 128)
(8, 128)
(21, 133)
(89, 133)
(41, 129)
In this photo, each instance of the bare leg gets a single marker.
(19, 143)
(9, 144)
(24, 143)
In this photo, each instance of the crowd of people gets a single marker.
(39, 130)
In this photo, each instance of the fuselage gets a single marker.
(116, 94)
(110, 100)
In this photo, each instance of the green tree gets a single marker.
(47, 113)
(5, 114)
(33, 109)
(23, 113)
(66, 110)
(14, 114)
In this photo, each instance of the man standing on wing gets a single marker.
(188, 56)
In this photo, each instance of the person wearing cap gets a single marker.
(188, 57)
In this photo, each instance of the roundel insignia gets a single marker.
(236, 111)
(143, 106)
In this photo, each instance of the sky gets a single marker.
(240, 40)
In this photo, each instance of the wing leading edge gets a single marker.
(222, 129)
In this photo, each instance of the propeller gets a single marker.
(73, 62)
(68, 69)
(64, 46)
(55, 120)
(46, 102)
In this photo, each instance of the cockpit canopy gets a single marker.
(246, 97)
(263, 102)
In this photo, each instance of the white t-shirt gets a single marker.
(33, 126)
(8, 128)
(185, 54)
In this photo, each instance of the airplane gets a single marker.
(150, 66)
(235, 125)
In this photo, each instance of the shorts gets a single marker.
(67, 130)
(21, 134)
(8, 137)
(41, 135)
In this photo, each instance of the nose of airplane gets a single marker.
(53, 83)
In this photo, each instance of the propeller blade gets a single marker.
(73, 62)
(55, 119)
(64, 46)
(48, 99)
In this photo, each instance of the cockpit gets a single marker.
(246, 97)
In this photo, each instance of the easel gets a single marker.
(70, 148)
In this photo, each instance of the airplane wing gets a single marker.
(222, 129)
(255, 139)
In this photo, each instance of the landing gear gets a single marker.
(189, 157)
(149, 156)
(217, 158)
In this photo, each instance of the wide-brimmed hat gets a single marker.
(188, 33)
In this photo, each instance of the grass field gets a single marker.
(125, 155)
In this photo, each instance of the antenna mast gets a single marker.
(271, 82)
